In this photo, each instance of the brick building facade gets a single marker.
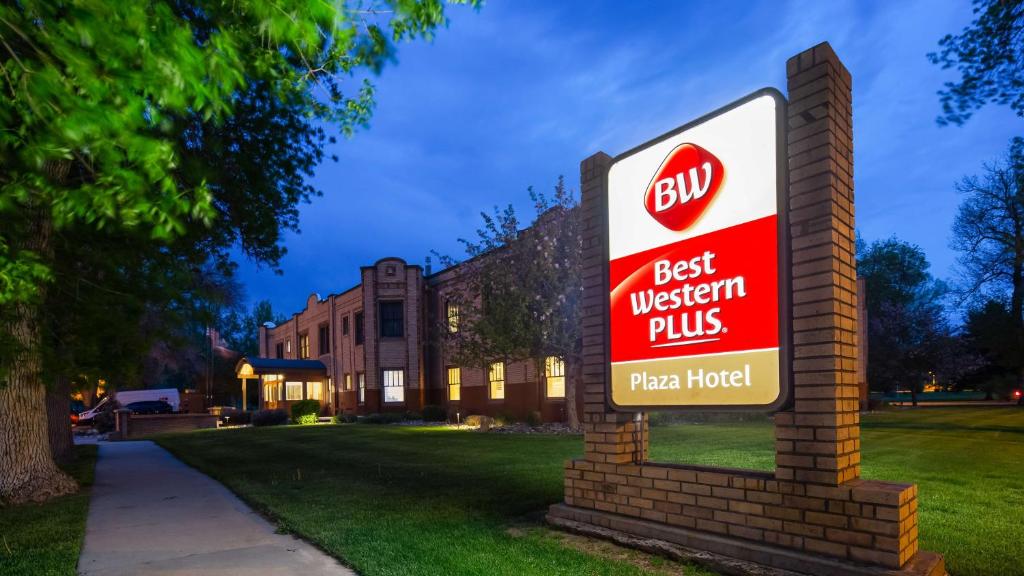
(382, 349)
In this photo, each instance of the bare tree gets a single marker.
(519, 291)
(989, 234)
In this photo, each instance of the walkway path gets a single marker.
(151, 514)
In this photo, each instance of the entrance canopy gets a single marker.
(255, 367)
(285, 380)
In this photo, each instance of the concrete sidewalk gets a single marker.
(152, 514)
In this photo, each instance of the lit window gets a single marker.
(394, 386)
(314, 391)
(361, 377)
(454, 384)
(304, 346)
(452, 312)
(496, 377)
(554, 373)
(293, 390)
(348, 382)
(288, 346)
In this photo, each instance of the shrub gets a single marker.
(306, 411)
(346, 418)
(503, 418)
(384, 418)
(534, 418)
(275, 417)
(434, 413)
(473, 420)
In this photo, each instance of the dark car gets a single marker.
(150, 407)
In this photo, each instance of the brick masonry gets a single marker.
(815, 501)
(135, 426)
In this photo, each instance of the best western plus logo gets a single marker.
(684, 186)
(694, 310)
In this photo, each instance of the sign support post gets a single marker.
(813, 514)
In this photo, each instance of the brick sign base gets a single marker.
(813, 514)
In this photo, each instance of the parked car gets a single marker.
(127, 397)
(150, 407)
(1019, 397)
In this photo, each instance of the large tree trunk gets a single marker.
(27, 470)
(58, 413)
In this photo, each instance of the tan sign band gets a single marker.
(729, 379)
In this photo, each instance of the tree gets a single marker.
(988, 231)
(519, 291)
(184, 125)
(985, 335)
(240, 330)
(906, 327)
(989, 55)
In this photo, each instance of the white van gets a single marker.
(125, 397)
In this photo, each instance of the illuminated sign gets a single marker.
(696, 241)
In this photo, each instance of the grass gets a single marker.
(398, 500)
(45, 539)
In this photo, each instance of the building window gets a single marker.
(325, 339)
(293, 390)
(452, 312)
(288, 346)
(496, 377)
(392, 324)
(344, 326)
(314, 391)
(360, 336)
(554, 374)
(394, 385)
(279, 350)
(454, 384)
(348, 382)
(304, 346)
(361, 378)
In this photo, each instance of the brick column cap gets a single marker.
(822, 53)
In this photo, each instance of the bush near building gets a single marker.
(305, 412)
(275, 417)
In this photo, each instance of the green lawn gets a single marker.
(45, 539)
(398, 500)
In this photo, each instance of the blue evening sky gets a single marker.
(518, 93)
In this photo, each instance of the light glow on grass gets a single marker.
(439, 501)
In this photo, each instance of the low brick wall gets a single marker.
(135, 426)
(861, 520)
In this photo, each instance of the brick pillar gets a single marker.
(609, 437)
(818, 440)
